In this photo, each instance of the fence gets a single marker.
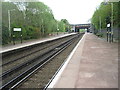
(103, 33)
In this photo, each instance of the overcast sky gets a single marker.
(75, 11)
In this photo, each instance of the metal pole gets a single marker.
(57, 28)
(9, 23)
(64, 27)
(112, 22)
(107, 34)
(42, 28)
(21, 36)
(13, 38)
(100, 23)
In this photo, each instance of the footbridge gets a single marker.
(77, 27)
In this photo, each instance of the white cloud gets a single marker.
(75, 11)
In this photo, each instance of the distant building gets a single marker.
(73, 28)
(77, 27)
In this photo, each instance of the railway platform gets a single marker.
(92, 64)
(25, 44)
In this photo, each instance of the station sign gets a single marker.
(108, 25)
(17, 29)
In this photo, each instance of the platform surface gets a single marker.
(93, 64)
(24, 44)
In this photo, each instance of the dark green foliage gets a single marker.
(104, 13)
(5, 35)
(35, 19)
(67, 25)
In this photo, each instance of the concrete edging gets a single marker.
(67, 61)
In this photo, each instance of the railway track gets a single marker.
(43, 76)
(22, 55)
(27, 54)
(32, 65)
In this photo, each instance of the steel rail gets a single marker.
(32, 52)
(13, 81)
(54, 55)
(4, 54)
(46, 86)
(11, 71)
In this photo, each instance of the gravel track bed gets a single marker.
(33, 56)
(21, 71)
(40, 78)
(28, 50)
(42, 49)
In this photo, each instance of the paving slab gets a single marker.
(94, 64)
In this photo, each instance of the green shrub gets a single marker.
(99, 35)
(5, 35)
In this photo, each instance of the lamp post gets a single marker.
(57, 31)
(106, 2)
(42, 27)
(64, 27)
(112, 22)
(57, 28)
(100, 23)
(9, 24)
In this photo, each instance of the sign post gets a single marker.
(109, 32)
(17, 30)
(57, 31)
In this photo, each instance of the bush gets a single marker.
(99, 35)
(5, 35)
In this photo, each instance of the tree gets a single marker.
(67, 25)
(103, 13)
(35, 18)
